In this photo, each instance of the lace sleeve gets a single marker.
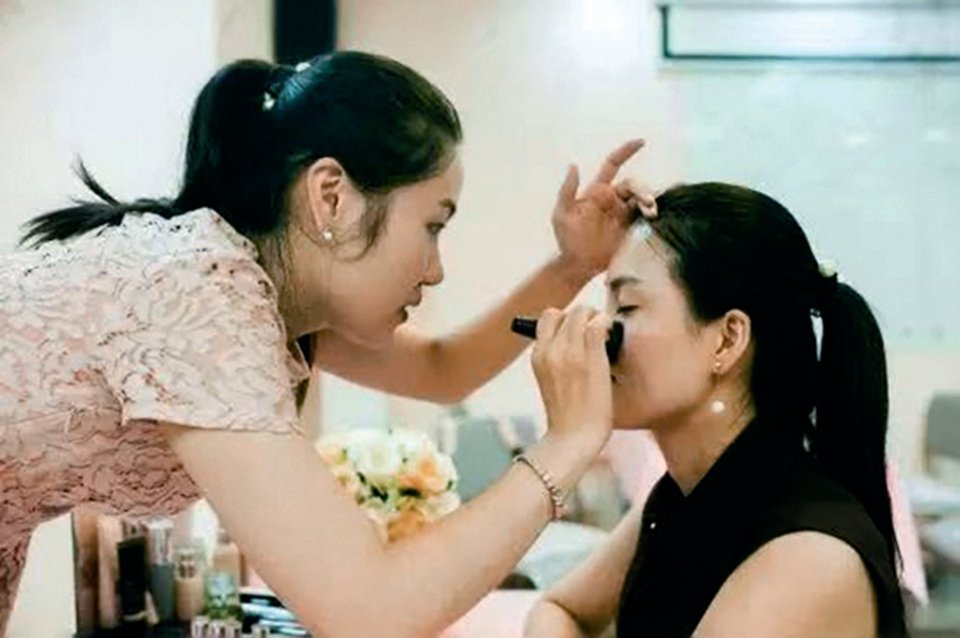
(201, 343)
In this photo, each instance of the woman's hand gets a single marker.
(590, 226)
(572, 370)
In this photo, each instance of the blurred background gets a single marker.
(848, 112)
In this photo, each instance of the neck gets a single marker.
(692, 444)
(278, 261)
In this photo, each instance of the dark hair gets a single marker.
(735, 248)
(256, 125)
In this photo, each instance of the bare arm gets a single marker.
(589, 229)
(584, 603)
(318, 551)
(447, 369)
(802, 585)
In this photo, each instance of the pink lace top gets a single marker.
(106, 334)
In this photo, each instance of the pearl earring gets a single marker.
(717, 406)
(327, 235)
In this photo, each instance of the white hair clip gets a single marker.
(268, 101)
(303, 66)
(828, 268)
(642, 231)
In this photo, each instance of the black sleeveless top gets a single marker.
(764, 485)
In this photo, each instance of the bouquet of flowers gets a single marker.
(399, 477)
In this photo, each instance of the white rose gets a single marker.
(377, 458)
(447, 468)
(439, 506)
(413, 445)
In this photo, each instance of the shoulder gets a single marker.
(809, 500)
(804, 583)
(197, 252)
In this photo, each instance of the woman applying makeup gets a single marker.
(152, 348)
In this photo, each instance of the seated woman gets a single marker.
(773, 518)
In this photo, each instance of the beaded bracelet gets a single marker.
(556, 496)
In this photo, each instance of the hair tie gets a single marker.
(826, 287)
(268, 101)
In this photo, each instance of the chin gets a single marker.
(626, 423)
(629, 416)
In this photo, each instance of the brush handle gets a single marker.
(527, 327)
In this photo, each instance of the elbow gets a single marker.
(454, 396)
(447, 385)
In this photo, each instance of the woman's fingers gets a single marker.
(568, 189)
(611, 165)
(637, 195)
(574, 327)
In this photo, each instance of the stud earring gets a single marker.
(327, 235)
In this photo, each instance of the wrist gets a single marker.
(567, 456)
(575, 274)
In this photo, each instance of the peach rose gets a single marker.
(406, 523)
(428, 477)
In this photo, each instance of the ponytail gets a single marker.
(225, 148)
(737, 248)
(852, 405)
(88, 215)
(256, 125)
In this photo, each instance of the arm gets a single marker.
(584, 603)
(804, 584)
(447, 369)
(589, 229)
(320, 554)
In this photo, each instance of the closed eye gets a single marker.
(626, 310)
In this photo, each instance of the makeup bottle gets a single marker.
(260, 631)
(198, 627)
(226, 558)
(109, 535)
(160, 546)
(132, 585)
(188, 583)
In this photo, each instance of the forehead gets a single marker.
(444, 185)
(642, 256)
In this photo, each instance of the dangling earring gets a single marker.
(717, 406)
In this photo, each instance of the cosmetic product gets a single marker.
(259, 631)
(160, 546)
(528, 328)
(226, 558)
(152, 617)
(216, 629)
(198, 627)
(222, 596)
(109, 534)
(188, 583)
(132, 584)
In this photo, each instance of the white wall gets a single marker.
(538, 84)
(112, 82)
(866, 158)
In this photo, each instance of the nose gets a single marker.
(433, 269)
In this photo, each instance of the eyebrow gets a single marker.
(624, 280)
(450, 206)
